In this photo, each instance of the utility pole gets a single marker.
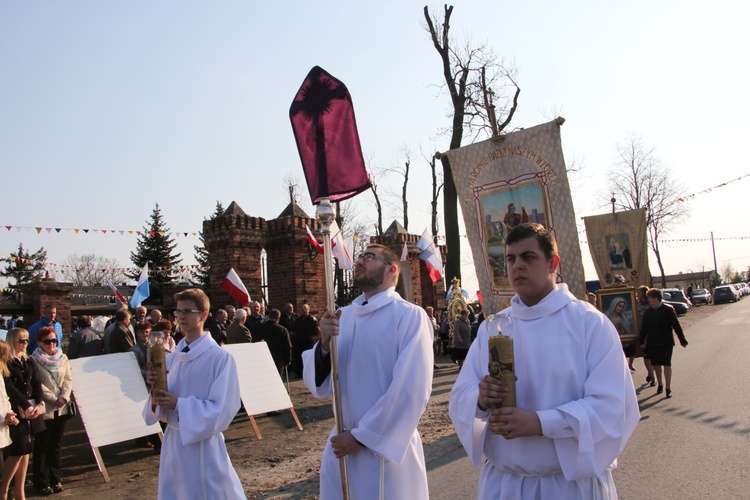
(713, 248)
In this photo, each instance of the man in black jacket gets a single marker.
(85, 341)
(277, 338)
(288, 318)
(122, 337)
(657, 339)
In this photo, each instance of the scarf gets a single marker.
(52, 363)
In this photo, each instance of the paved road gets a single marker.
(695, 445)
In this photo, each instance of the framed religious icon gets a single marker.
(620, 306)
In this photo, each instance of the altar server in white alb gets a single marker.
(385, 375)
(576, 406)
(203, 397)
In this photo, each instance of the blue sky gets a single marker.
(109, 107)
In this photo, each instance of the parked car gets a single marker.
(725, 293)
(675, 298)
(700, 296)
(745, 288)
(737, 287)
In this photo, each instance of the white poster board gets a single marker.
(261, 387)
(110, 393)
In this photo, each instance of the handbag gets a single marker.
(72, 406)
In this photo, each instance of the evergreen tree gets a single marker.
(202, 276)
(155, 246)
(23, 267)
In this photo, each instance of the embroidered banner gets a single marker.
(501, 183)
(619, 247)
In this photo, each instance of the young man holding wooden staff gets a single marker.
(575, 402)
(385, 361)
(202, 398)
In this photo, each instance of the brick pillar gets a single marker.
(234, 240)
(48, 292)
(292, 275)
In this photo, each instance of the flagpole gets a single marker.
(324, 214)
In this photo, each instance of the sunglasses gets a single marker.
(49, 341)
(22, 341)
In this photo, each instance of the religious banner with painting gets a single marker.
(502, 182)
(619, 247)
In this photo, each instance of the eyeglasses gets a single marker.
(22, 341)
(49, 341)
(183, 312)
(368, 256)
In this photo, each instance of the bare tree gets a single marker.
(291, 186)
(470, 75)
(403, 171)
(379, 225)
(404, 201)
(91, 270)
(431, 160)
(638, 179)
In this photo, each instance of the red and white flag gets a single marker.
(342, 247)
(117, 293)
(235, 288)
(404, 254)
(313, 242)
(431, 255)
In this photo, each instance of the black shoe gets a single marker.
(660, 389)
(669, 393)
(652, 384)
(57, 488)
(45, 492)
(649, 379)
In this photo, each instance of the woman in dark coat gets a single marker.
(461, 338)
(25, 393)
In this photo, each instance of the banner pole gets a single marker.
(325, 216)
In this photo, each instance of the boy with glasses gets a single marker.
(202, 398)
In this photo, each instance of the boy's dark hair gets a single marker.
(532, 230)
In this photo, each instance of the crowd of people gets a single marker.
(35, 400)
(574, 409)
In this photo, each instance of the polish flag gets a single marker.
(342, 248)
(117, 293)
(235, 288)
(311, 239)
(405, 254)
(431, 255)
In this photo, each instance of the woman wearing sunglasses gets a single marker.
(25, 393)
(57, 383)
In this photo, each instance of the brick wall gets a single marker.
(48, 292)
(234, 241)
(292, 275)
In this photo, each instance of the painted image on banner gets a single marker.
(502, 210)
(618, 246)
